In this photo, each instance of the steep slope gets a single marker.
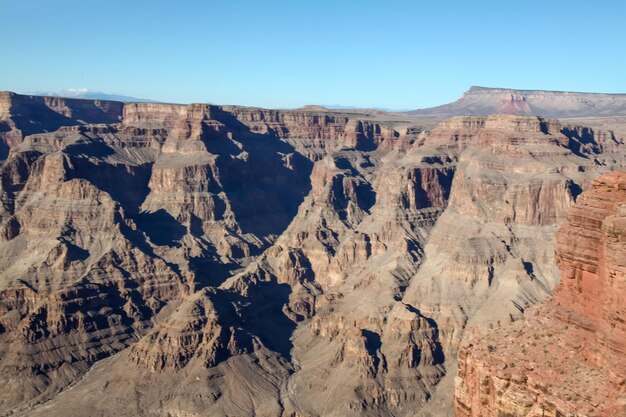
(484, 101)
(218, 260)
(569, 356)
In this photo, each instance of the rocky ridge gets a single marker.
(203, 259)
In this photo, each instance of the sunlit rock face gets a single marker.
(210, 260)
(569, 356)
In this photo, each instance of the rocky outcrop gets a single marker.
(223, 260)
(568, 356)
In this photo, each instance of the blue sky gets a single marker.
(392, 54)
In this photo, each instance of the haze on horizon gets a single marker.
(287, 54)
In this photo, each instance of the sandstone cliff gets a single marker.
(568, 357)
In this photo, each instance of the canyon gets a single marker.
(180, 260)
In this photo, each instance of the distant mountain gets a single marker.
(340, 107)
(485, 101)
(90, 94)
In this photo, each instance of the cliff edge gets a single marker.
(568, 356)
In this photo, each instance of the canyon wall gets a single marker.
(568, 356)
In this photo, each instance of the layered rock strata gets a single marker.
(568, 357)
(486, 101)
(193, 260)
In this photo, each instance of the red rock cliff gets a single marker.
(567, 357)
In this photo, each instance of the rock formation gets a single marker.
(568, 357)
(484, 101)
(211, 260)
(25, 115)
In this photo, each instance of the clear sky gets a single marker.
(272, 53)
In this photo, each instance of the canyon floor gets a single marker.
(189, 260)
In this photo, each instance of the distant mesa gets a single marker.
(313, 107)
(483, 101)
(372, 111)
